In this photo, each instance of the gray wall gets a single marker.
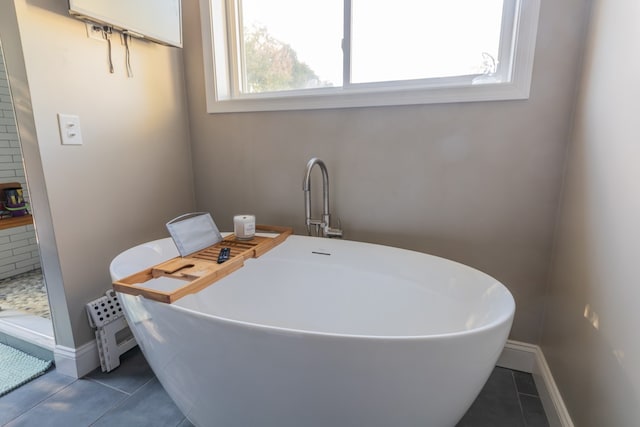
(590, 336)
(133, 172)
(476, 182)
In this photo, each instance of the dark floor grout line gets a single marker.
(107, 385)
(515, 386)
(529, 395)
(112, 407)
(116, 388)
(147, 382)
(120, 403)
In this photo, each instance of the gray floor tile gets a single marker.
(150, 406)
(29, 395)
(525, 383)
(133, 373)
(533, 411)
(497, 405)
(79, 404)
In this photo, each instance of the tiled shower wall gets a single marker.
(18, 251)
(18, 247)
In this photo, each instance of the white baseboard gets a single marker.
(529, 358)
(77, 362)
(518, 356)
(551, 398)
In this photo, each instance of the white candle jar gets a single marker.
(244, 226)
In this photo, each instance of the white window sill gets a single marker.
(339, 99)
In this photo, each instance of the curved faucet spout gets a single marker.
(306, 184)
(324, 223)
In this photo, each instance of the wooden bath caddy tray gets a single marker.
(201, 268)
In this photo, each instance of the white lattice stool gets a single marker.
(112, 331)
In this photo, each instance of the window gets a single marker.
(306, 54)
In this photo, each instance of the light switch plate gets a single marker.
(70, 133)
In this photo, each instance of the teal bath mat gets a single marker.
(17, 368)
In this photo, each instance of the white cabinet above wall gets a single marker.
(157, 20)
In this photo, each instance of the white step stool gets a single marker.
(112, 331)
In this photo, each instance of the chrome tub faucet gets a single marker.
(322, 226)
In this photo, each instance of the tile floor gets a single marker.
(509, 399)
(25, 292)
(131, 396)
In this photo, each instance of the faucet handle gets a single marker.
(333, 232)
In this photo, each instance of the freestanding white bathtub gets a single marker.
(321, 332)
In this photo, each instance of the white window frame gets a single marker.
(219, 79)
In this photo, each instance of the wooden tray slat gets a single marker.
(201, 269)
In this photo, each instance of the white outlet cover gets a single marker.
(94, 31)
(70, 132)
